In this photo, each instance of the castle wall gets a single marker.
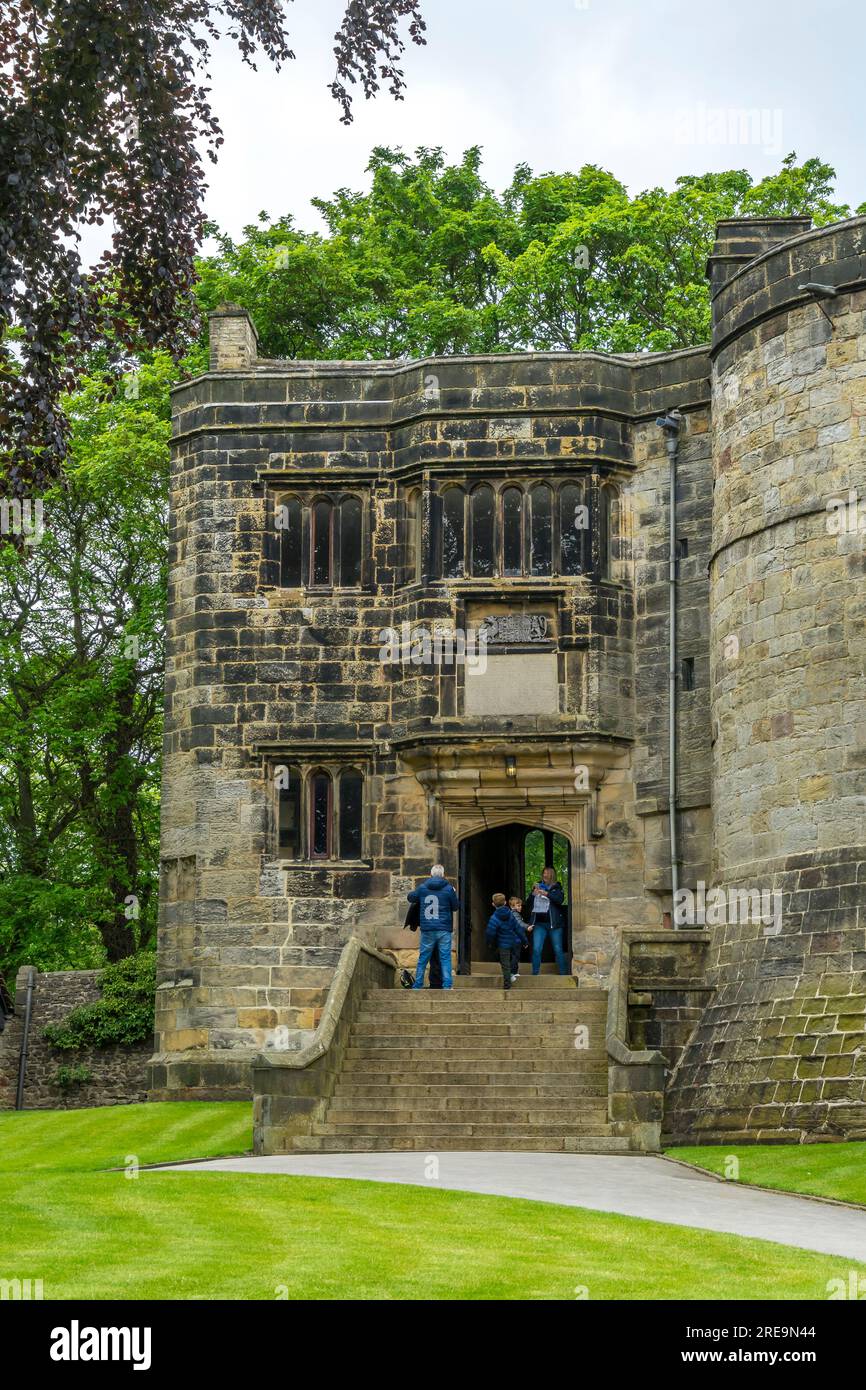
(650, 492)
(114, 1075)
(770, 502)
(262, 677)
(781, 1050)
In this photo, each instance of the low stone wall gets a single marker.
(292, 1090)
(117, 1074)
(656, 997)
(668, 992)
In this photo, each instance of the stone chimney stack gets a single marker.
(234, 342)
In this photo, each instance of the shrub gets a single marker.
(67, 1077)
(124, 1014)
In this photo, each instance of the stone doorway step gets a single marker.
(491, 967)
(474, 1068)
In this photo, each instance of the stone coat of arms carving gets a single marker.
(514, 628)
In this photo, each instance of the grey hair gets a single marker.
(437, 871)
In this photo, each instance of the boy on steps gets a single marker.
(516, 905)
(504, 932)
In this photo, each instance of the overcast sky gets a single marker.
(646, 88)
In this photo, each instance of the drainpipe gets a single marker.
(596, 829)
(22, 1060)
(671, 424)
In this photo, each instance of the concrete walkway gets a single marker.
(647, 1187)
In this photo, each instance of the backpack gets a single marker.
(407, 979)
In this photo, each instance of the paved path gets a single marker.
(648, 1187)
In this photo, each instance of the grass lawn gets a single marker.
(819, 1170)
(110, 1135)
(103, 1235)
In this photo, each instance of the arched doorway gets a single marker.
(507, 859)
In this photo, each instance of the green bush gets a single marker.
(124, 1013)
(66, 1077)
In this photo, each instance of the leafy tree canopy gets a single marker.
(103, 110)
(432, 260)
(81, 686)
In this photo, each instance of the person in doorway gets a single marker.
(505, 931)
(437, 903)
(516, 905)
(548, 919)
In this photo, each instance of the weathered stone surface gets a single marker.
(787, 657)
(117, 1074)
(771, 702)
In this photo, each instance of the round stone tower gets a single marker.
(781, 1050)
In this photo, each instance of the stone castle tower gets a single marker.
(339, 529)
(781, 1047)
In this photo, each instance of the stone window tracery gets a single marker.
(351, 814)
(541, 529)
(609, 531)
(483, 532)
(453, 533)
(289, 814)
(320, 813)
(321, 541)
(574, 533)
(512, 531)
(515, 530)
(414, 538)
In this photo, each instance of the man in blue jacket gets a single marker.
(548, 916)
(437, 901)
(505, 931)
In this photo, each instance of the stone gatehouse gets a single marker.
(420, 611)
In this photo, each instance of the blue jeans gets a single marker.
(434, 941)
(539, 936)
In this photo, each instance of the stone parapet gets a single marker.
(291, 1089)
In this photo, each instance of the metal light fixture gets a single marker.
(510, 766)
(819, 291)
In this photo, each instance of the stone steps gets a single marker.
(517, 1012)
(474, 1068)
(437, 1142)
(537, 983)
(468, 1090)
(528, 1029)
(439, 1001)
(390, 1061)
(438, 1097)
(453, 1129)
(425, 1050)
(494, 1010)
(562, 1039)
(588, 1115)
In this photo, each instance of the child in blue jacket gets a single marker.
(505, 931)
(516, 905)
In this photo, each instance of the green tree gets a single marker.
(431, 260)
(81, 676)
(403, 270)
(609, 272)
(105, 115)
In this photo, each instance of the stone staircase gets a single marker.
(473, 1068)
